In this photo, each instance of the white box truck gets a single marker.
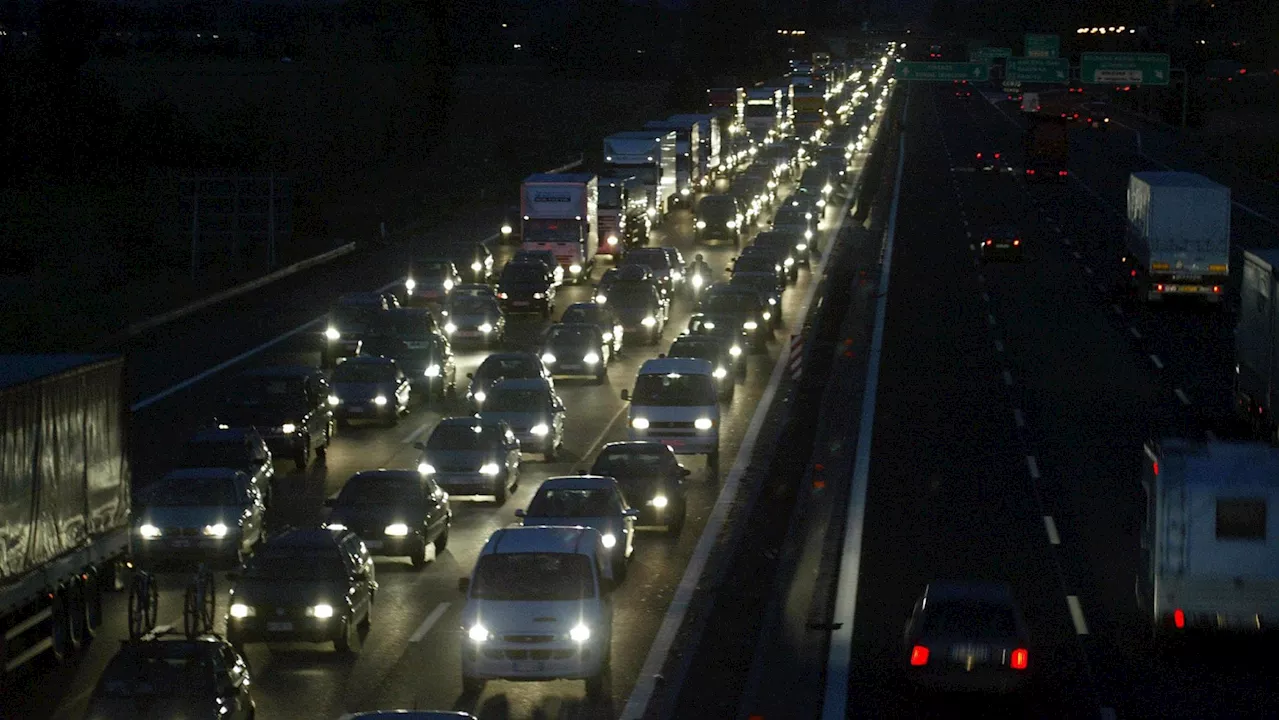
(689, 171)
(1256, 344)
(762, 113)
(1178, 240)
(709, 152)
(649, 156)
(558, 213)
(1208, 544)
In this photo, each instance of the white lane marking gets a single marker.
(1101, 288)
(1052, 530)
(417, 433)
(1210, 436)
(1008, 377)
(840, 649)
(1032, 467)
(142, 404)
(1116, 309)
(1077, 615)
(985, 296)
(1182, 396)
(1066, 241)
(1018, 419)
(609, 426)
(1134, 332)
(981, 278)
(1088, 270)
(1076, 254)
(430, 620)
(968, 235)
(1156, 361)
(999, 346)
(991, 319)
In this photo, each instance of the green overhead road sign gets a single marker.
(1037, 70)
(1135, 68)
(1042, 46)
(989, 53)
(943, 71)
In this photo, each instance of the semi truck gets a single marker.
(762, 114)
(650, 157)
(689, 171)
(1256, 369)
(621, 217)
(1178, 237)
(810, 114)
(558, 213)
(710, 151)
(65, 504)
(1207, 550)
(1044, 148)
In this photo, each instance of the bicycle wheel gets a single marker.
(137, 607)
(153, 603)
(190, 612)
(209, 604)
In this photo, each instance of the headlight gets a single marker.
(548, 358)
(288, 428)
(396, 530)
(591, 358)
(240, 610)
(808, 234)
(486, 328)
(613, 240)
(380, 400)
(580, 633)
(410, 284)
(750, 325)
(426, 468)
(684, 192)
(719, 373)
(218, 530)
(789, 262)
(450, 328)
(652, 212)
(649, 321)
(320, 611)
(540, 429)
(332, 333)
(640, 423)
(489, 469)
(601, 299)
(607, 337)
(659, 501)
(506, 229)
(334, 526)
(537, 296)
(703, 423)
(477, 633)
(801, 247)
(334, 400)
(477, 266)
(432, 371)
(697, 281)
(701, 224)
(480, 396)
(709, 325)
(448, 284)
(575, 269)
(608, 540)
(735, 351)
(149, 531)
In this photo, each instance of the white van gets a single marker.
(539, 607)
(1030, 102)
(675, 402)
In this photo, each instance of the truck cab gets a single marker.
(559, 215)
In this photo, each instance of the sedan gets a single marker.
(714, 349)
(764, 259)
(966, 636)
(473, 261)
(1001, 244)
(239, 448)
(527, 287)
(502, 365)
(600, 315)
(198, 515)
(723, 297)
(428, 361)
(650, 476)
(728, 327)
(174, 676)
(766, 286)
(468, 318)
(430, 281)
(591, 501)
(577, 350)
(472, 456)
(533, 411)
(369, 388)
(395, 512)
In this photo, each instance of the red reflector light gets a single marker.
(979, 155)
(987, 242)
(1217, 288)
(1179, 620)
(1018, 660)
(1155, 468)
(920, 655)
(1031, 172)
(997, 156)
(1243, 71)
(1062, 173)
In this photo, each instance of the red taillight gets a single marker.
(978, 156)
(1030, 171)
(1155, 468)
(1217, 288)
(1160, 287)
(1133, 273)
(997, 156)
(1179, 619)
(1018, 660)
(1243, 71)
(1062, 173)
(1016, 243)
(920, 654)
(987, 241)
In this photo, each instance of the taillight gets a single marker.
(1030, 171)
(1217, 288)
(1016, 243)
(978, 156)
(1062, 173)
(1160, 287)
(997, 156)
(920, 655)
(1179, 621)
(1133, 273)
(1018, 660)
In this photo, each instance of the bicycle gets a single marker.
(199, 603)
(144, 603)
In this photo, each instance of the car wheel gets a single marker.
(343, 643)
(419, 557)
(713, 466)
(303, 454)
(442, 541)
(500, 493)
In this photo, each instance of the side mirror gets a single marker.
(520, 512)
(420, 445)
(471, 376)
(626, 396)
(631, 513)
(464, 584)
(330, 502)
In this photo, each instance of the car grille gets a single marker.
(528, 638)
(529, 654)
(457, 469)
(182, 532)
(669, 425)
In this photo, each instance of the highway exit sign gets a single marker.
(1041, 46)
(943, 71)
(1037, 70)
(1129, 68)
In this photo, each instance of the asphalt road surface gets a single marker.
(410, 657)
(1012, 405)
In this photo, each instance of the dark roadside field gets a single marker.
(102, 257)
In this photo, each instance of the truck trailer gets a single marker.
(650, 157)
(620, 215)
(65, 502)
(689, 171)
(1178, 238)
(1256, 368)
(1045, 148)
(710, 150)
(1207, 551)
(558, 213)
(762, 114)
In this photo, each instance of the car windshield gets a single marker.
(968, 618)
(379, 346)
(515, 400)
(574, 503)
(381, 490)
(214, 454)
(351, 318)
(507, 367)
(162, 669)
(524, 273)
(472, 305)
(547, 577)
(283, 563)
(756, 262)
(626, 464)
(673, 390)
(570, 336)
(464, 437)
(403, 324)
(716, 206)
(582, 315)
(429, 271)
(273, 392)
(631, 295)
(364, 372)
(790, 216)
(192, 492)
(725, 302)
(700, 350)
(655, 259)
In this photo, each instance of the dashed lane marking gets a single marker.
(1088, 270)
(991, 319)
(985, 296)
(1134, 332)
(1116, 309)
(1077, 615)
(1051, 530)
(1075, 254)
(1018, 419)
(1033, 467)
(1156, 361)
(1008, 377)
(1182, 396)
(999, 346)
(430, 620)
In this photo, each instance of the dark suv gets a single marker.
(239, 448)
(288, 405)
(527, 287)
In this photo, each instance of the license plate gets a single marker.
(964, 653)
(279, 627)
(571, 367)
(675, 443)
(355, 411)
(529, 666)
(373, 544)
(417, 345)
(180, 543)
(467, 334)
(519, 303)
(1003, 246)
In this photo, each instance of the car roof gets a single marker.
(512, 355)
(522, 384)
(583, 327)
(638, 446)
(469, 421)
(410, 312)
(579, 482)
(222, 435)
(684, 366)
(586, 307)
(543, 539)
(973, 590)
(202, 474)
(367, 360)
